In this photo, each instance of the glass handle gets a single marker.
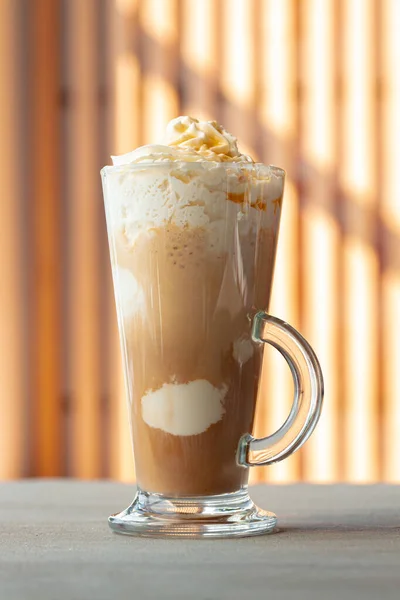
(308, 394)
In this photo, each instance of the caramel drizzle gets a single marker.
(277, 204)
(239, 199)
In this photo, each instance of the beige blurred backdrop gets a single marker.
(310, 85)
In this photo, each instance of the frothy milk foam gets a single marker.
(184, 409)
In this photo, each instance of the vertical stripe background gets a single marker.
(312, 86)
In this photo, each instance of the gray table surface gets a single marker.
(334, 542)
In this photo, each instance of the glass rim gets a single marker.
(235, 166)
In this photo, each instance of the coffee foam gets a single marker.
(184, 409)
(242, 349)
(131, 298)
(140, 200)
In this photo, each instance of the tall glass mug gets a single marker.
(192, 250)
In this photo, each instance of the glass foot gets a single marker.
(225, 515)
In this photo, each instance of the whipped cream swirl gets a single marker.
(190, 140)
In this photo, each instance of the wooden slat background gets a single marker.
(45, 241)
(310, 85)
(12, 356)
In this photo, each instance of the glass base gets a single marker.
(225, 515)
